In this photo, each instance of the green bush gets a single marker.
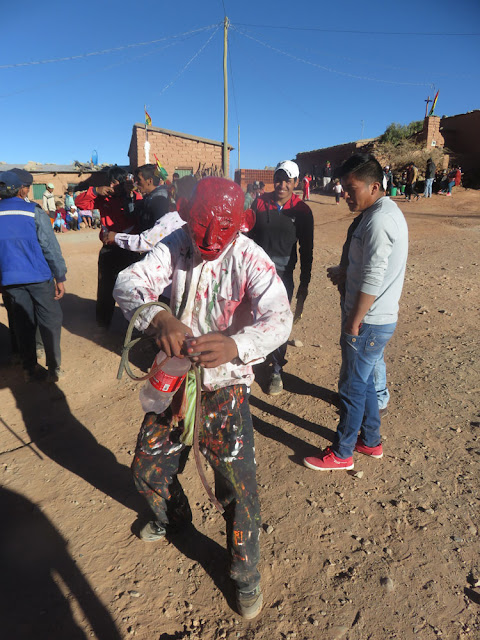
(396, 132)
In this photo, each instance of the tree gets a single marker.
(396, 133)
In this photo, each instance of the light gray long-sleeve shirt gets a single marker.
(377, 260)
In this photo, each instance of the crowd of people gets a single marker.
(226, 266)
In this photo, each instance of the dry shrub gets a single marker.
(399, 155)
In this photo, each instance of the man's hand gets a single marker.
(214, 349)
(59, 290)
(337, 275)
(108, 237)
(169, 333)
(302, 293)
(104, 191)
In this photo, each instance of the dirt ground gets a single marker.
(392, 552)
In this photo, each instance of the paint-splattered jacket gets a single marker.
(238, 294)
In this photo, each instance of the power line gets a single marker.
(329, 69)
(377, 33)
(167, 86)
(104, 51)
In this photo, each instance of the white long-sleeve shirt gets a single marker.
(377, 259)
(239, 294)
(148, 239)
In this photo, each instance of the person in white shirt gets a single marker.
(227, 295)
(48, 201)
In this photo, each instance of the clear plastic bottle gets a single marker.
(158, 391)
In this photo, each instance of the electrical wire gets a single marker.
(105, 51)
(357, 31)
(180, 73)
(329, 69)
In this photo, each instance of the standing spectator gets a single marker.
(337, 189)
(49, 201)
(454, 178)
(32, 271)
(155, 203)
(261, 189)
(411, 179)
(282, 221)
(429, 177)
(249, 197)
(377, 260)
(116, 203)
(206, 261)
(389, 176)
(327, 175)
(306, 187)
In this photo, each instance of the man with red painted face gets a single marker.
(227, 295)
(282, 222)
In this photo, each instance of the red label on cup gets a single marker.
(165, 382)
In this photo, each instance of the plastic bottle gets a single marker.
(158, 391)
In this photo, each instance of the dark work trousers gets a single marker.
(277, 357)
(34, 305)
(8, 303)
(111, 260)
(226, 441)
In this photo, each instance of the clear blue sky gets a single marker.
(316, 96)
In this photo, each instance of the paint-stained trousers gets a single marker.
(226, 441)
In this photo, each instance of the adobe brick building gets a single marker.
(313, 161)
(243, 177)
(178, 152)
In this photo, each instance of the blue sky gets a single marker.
(290, 90)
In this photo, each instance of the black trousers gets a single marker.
(277, 357)
(111, 260)
(34, 305)
(226, 441)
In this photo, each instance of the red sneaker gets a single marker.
(328, 461)
(373, 452)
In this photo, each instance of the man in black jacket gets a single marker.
(155, 197)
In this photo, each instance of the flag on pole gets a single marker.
(160, 171)
(434, 103)
(148, 120)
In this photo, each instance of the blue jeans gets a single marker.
(358, 399)
(428, 187)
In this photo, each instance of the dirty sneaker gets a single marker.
(373, 452)
(55, 373)
(276, 385)
(249, 603)
(328, 461)
(152, 531)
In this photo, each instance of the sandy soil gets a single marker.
(392, 552)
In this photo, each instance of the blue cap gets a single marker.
(25, 176)
(11, 180)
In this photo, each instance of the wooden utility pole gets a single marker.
(239, 147)
(225, 99)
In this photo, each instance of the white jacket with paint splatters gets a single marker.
(238, 294)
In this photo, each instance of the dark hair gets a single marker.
(250, 188)
(117, 174)
(261, 185)
(148, 171)
(7, 193)
(176, 175)
(365, 167)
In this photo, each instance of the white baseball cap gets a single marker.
(290, 168)
(50, 185)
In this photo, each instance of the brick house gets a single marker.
(178, 152)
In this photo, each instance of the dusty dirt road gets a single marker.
(390, 553)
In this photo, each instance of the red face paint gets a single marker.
(215, 215)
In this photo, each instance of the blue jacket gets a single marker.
(29, 250)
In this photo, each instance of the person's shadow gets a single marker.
(33, 559)
(79, 319)
(292, 384)
(57, 433)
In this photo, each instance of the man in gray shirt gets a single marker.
(376, 269)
